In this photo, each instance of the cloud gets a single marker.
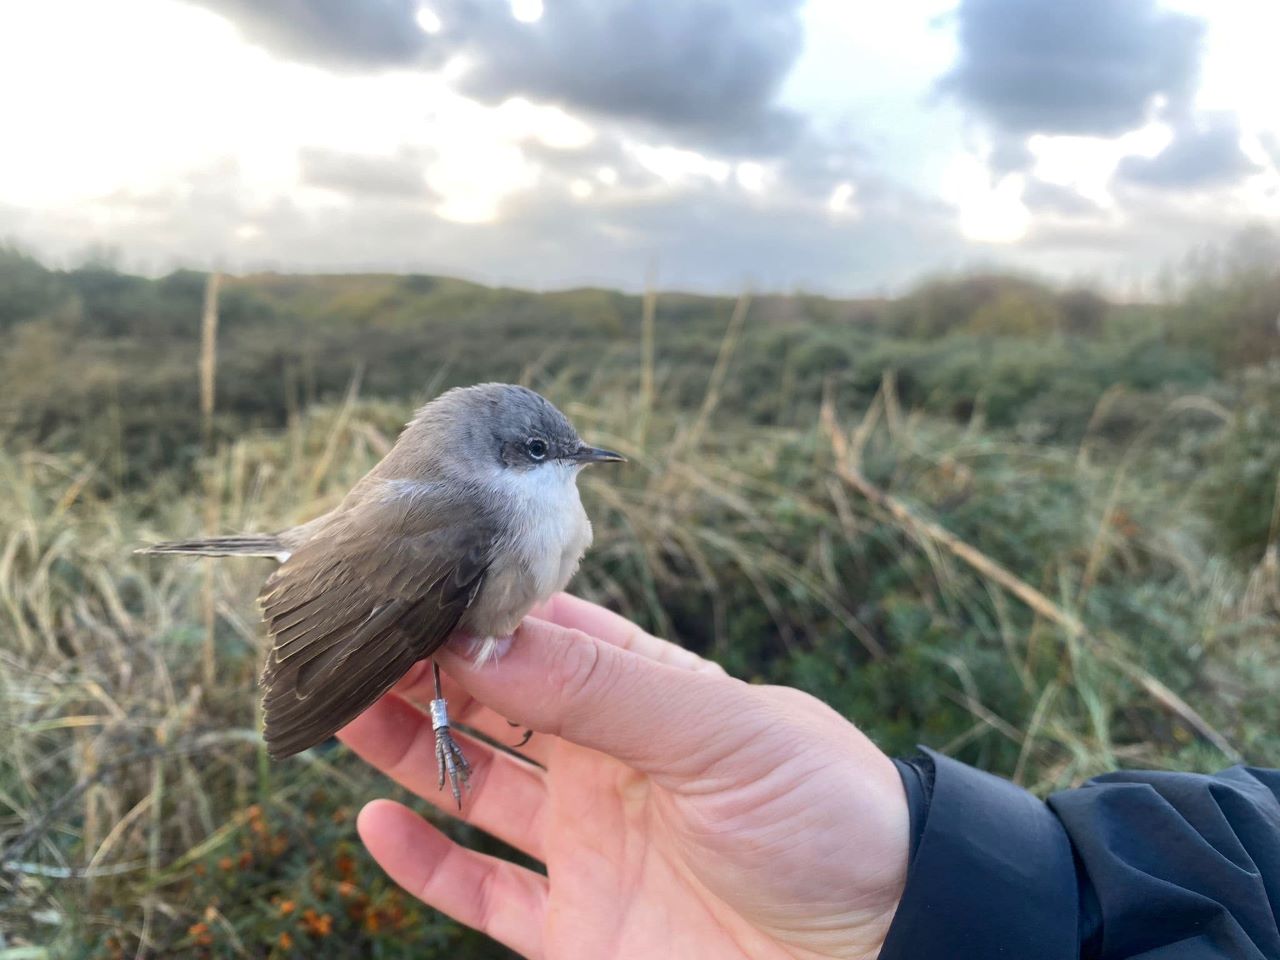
(707, 70)
(1089, 67)
(1043, 196)
(1271, 145)
(701, 236)
(1150, 237)
(1009, 154)
(615, 168)
(1200, 156)
(358, 174)
(710, 68)
(818, 164)
(341, 34)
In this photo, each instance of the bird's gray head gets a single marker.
(506, 427)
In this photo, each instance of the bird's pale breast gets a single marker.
(547, 532)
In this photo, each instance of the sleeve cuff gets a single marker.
(992, 873)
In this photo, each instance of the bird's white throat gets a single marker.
(547, 526)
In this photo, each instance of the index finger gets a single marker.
(594, 620)
(654, 717)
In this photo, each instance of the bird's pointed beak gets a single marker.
(585, 454)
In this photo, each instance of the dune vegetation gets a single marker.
(1020, 524)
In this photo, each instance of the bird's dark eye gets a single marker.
(537, 448)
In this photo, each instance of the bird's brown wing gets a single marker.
(353, 609)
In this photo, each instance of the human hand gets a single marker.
(679, 812)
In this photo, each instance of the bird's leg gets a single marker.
(449, 757)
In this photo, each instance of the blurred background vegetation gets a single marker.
(1016, 522)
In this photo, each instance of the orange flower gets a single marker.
(287, 907)
(253, 811)
(371, 922)
(393, 909)
(347, 889)
(318, 925)
(346, 866)
(199, 932)
(1124, 524)
(225, 863)
(285, 940)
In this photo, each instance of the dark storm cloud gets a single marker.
(1086, 67)
(363, 175)
(1202, 156)
(342, 34)
(710, 67)
(706, 69)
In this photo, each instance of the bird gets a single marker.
(471, 519)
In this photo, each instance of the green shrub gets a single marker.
(1243, 483)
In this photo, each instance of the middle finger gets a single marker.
(417, 687)
(507, 797)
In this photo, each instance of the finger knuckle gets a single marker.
(703, 665)
(580, 670)
(485, 900)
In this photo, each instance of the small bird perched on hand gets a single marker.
(471, 519)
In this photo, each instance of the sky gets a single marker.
(833, 146)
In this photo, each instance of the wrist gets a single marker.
(992, 872)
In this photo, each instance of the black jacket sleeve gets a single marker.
(1158, 866)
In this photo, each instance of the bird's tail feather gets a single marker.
(241, 545)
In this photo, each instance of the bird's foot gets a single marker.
(450, 760)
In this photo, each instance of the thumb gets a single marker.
(656, 718)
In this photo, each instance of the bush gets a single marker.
(1243, 481)
(1231, 309)
(983, 303)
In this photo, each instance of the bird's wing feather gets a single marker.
(375, 591)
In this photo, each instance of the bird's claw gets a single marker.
(450, 760)
(528, 735)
